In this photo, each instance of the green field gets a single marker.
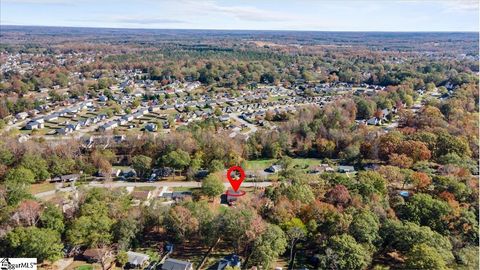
(84, 267)
(262, 164)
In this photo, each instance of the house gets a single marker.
(33, 125)
(345, 169)
(273, 169)
(322, 168)
(167, 107)
(108, 126)
(374, 121)
(136, 259)
(51, 117)
(64, 131)
(177, 195)
(128, 173)
(151, 127)
(230, 260)
(173, 264)
(21, 115)
(232, 195)
(102, 98)
(66, 178)
(224, 118)
(93, 255)
(128, 117)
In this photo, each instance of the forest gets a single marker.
(321, 221)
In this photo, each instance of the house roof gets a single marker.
(136, 258)
(93, 253)
(173, 264)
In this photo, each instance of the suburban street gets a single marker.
(187, 184)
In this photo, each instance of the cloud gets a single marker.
(245, 13)
(132, 20)
(455, 5)
(148, 21)
(42, 2)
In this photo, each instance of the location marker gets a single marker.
(235, 183)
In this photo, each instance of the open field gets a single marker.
(262, 164)
(42, 187)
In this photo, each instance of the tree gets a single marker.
(370, 183)
(416, 150)
(448, 144)
(299, 191)
(421, 180)
(295, 231)
(216, 166)
(93, 227)
(342, 252)
(122, 258)
(422, 256)
(32, 242)
(52, 218)
(28, 212)
(37, 165)
(242, 226)
(181, 223)
(402, 161)
(212, 186)
(365, 109)
(325, 148)
(426, 211)
(268, 247)
(338, 195)
(178, 159)
(60, 165)
(141, 164)
(125, 231)
(20, 175)
(403, 236)
(365, 227)
(17, 182)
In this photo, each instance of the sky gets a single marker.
(313, 15)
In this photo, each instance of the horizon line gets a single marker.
(265, 30)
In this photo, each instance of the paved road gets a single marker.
(146, 184)
(253, 128)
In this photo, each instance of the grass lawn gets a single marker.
(42, 187)
(84, 267)
(181, 189)
(144, 188)
(174, 179)
(262, 164)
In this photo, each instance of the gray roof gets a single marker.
(173, 264)
(136, 258)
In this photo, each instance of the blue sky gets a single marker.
(321, 15)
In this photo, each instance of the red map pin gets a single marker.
(235, 183)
